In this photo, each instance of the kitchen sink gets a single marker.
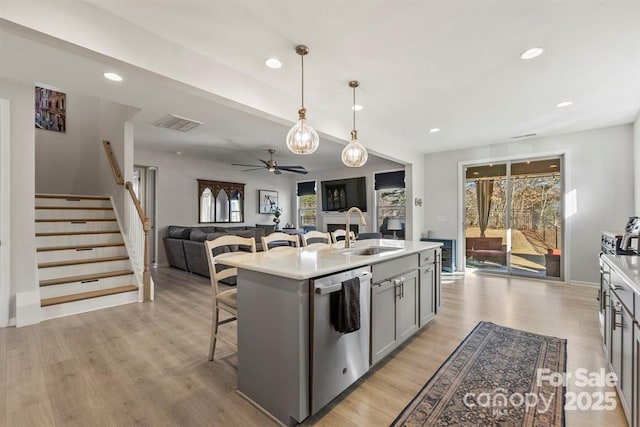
(370, 250)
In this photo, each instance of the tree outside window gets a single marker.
(391, 203)
(307, 207)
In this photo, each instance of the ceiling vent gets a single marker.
(526, 135)
(171, 121)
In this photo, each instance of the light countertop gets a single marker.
(628, 267)
(314, 261)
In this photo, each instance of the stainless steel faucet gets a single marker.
(347, 237)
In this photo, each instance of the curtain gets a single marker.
(306, 188)
(484, 190)
(388, 180)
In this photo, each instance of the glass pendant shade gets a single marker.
(354, 154)
(302, 138)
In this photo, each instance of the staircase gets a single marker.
(83, 263)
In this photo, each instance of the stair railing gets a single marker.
(136, 228)
(113, 162)
(138, 233)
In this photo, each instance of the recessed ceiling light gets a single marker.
(553, 166)
(179, 153)
(357, 107)
(476, 173)
(532, 52)
(564, 104)
(274, 63)
(113, 76)
(434, 130)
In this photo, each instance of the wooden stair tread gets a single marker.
(77, 208)
(70, 196)
(61, 280)
(81, 261)
(64, 248)
(76, 220)
(86, 295)
(76, 233)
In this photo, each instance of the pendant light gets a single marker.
(354, 154)
(302, 138)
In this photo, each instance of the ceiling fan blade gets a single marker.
(276, 171)
(265, 162)
(250, 166)
(286, 169)
(254, 169)
(293, 167)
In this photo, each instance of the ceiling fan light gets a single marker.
(354, 155)
(302, 138)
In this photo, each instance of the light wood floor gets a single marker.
(146, 364)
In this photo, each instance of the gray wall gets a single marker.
(66, 162)
(177, 196)
(22, 221)
(636, 162)
(600, 169)
(367, 171)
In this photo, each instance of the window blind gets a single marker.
(388, 180)
(306, 188)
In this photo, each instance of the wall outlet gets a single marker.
(441, 218)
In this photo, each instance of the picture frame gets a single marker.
(50, 111)
(267, 201)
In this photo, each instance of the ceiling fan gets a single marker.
(272, 166)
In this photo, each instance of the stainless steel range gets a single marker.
(610, 244)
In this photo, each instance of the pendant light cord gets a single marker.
(354, 108)
(302, 60)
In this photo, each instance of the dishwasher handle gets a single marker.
(329, 289)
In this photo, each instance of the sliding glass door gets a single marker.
(513, 217)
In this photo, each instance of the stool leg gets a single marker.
(214, 331)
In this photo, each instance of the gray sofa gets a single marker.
(185, 245)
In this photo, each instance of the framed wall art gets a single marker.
(51, 107)
(267, 201)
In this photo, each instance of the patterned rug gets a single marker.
(497, 376)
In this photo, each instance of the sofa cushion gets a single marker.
(177, 232)
(198, 235)
(268, 228)
(207, 229)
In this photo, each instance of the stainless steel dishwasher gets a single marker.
(337, 360)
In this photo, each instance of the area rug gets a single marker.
(497, 376)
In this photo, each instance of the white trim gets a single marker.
(5, 223)
(564, 155)
(585, 284)
(28, 310)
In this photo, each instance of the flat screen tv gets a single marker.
(341, 194)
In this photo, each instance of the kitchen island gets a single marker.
(279, 311)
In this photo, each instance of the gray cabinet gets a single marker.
(617, 300)
(622, 351)
(430, 279)
(427, 294)
(636, 376)
(394, 308)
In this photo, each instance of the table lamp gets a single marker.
(394, 225)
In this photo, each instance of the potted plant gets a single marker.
(276, 216)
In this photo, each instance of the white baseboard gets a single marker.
(27, 308)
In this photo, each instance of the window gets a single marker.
(390, 199)
(220, 201)
(307, 204)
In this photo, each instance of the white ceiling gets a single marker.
(422, 64)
